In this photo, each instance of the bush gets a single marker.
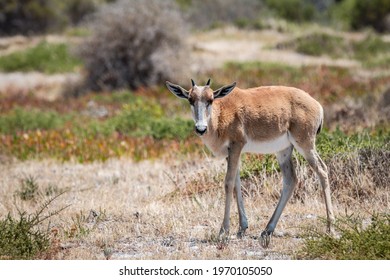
(76, 10)
(293, 10)
(357, 14)
(370, 13)
(30, 16)
(371, 46)
(22, 120)
(211, 13)
(19, 239)
(318, 43)
(133, 44)
(23, 237)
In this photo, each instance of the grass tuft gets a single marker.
(359, 239)
(29, 188)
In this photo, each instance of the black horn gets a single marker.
(208, 82)
(193, 83)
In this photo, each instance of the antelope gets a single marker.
(265, 120)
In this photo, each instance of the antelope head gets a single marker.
(201, 100)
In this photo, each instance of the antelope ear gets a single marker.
(223, 91)
(177, 90)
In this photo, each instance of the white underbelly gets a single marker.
(267, 147)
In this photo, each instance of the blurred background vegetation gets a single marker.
(41, 16)
(108, 59)
(113, 52)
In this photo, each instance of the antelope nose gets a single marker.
(200, 129)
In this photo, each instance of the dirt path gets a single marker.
(213, 49)
(48, 87)
(19, 43)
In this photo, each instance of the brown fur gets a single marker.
(263, 114)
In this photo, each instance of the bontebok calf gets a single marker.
(264, 120)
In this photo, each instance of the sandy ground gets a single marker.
(215, 48)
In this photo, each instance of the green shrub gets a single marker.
(45, 57)
(340, 13)
(357, 241)
(318, 44)
(370, 47)
(21, 119)
(142, 118)
(330, 143)
(293, 10)
(20, 240)
(136, 117)
(370, 13)
(167, 128)
(357, 14)
(24, 237)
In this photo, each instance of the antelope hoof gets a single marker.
(265, 238)
(241, 233)
(223, 232)
(223, 236)
(330, 229)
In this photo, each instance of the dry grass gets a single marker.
(172, 210)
